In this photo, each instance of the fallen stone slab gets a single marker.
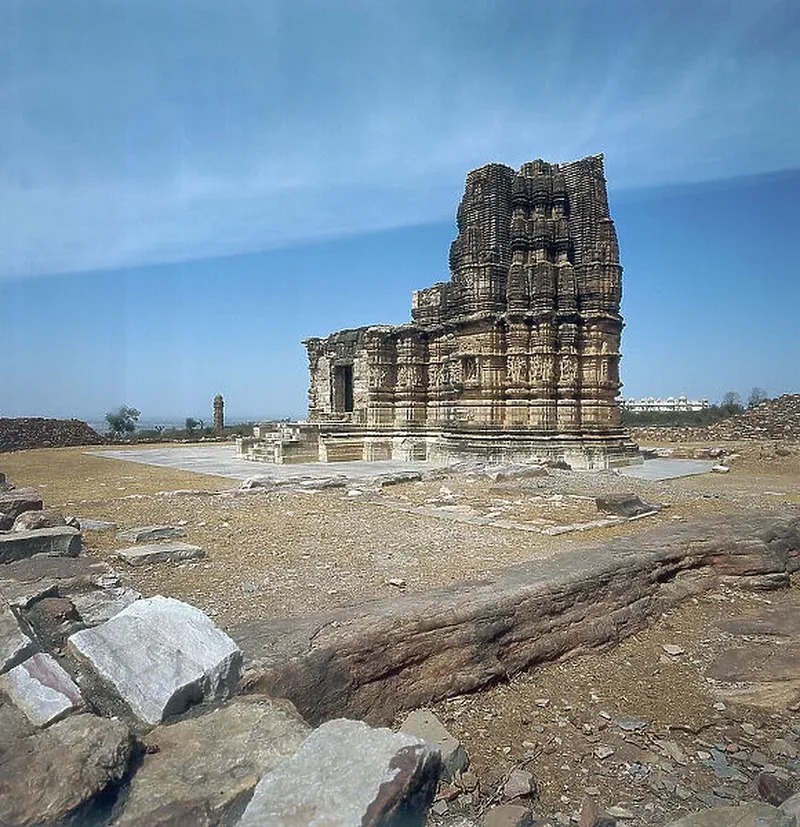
(41, 689)
(750, 814)
(88, 524)
(385, 656)
(393, 478)
(159, 553)
(17, 500)
(63, 541)
(100, 605)
(26, 581)
(346, 773)
(423, 724)
(150, 533)
(15, 645)
(33, 520)
(161, 656)
(251, 735)
(57, 772)
(624, 505)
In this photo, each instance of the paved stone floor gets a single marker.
(666, 469)
(222, 461)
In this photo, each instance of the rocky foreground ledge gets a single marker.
(375, 660)
(129, 711)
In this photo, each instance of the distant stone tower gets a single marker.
(219, 413)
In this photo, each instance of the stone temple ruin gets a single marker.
(515, 358)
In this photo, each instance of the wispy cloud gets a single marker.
(166, 132)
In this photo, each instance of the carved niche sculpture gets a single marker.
(516, 357)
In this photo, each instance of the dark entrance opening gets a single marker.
(343, 388)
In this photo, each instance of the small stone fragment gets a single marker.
(508, 815)
(425, 725)
(771, 789)
(673, 649)
(592, 816)
(620, 812)
(520, 782)
(41, 689)
(88, 524)
(602, 752)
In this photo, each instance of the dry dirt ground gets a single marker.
(280, 553)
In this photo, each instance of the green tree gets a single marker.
(122, 421)
(191, 424)
(757, 396)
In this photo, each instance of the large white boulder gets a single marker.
(161, 655)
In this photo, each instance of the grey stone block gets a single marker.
(161, 655)
(63, 541)
(41, 689)
(17, 500)
(159, 553)
(347, 773)
(89, 754)
(251, 735)
(101, 605)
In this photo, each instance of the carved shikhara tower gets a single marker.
(516, 358)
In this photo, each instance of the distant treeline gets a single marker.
(681, 419)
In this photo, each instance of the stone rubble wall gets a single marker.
(24, 433)
(777, 419)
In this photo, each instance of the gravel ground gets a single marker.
(283, 552)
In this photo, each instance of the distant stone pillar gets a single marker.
(219, 413)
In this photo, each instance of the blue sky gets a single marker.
(189, 189)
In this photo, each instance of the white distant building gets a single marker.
(671, 403)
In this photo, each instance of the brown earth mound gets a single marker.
(777, 418)
(37, 432)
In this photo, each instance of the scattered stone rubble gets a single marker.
(775, 419)
(118, 698)
(115, 709)
(35, 432)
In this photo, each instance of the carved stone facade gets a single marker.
(516, 357)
